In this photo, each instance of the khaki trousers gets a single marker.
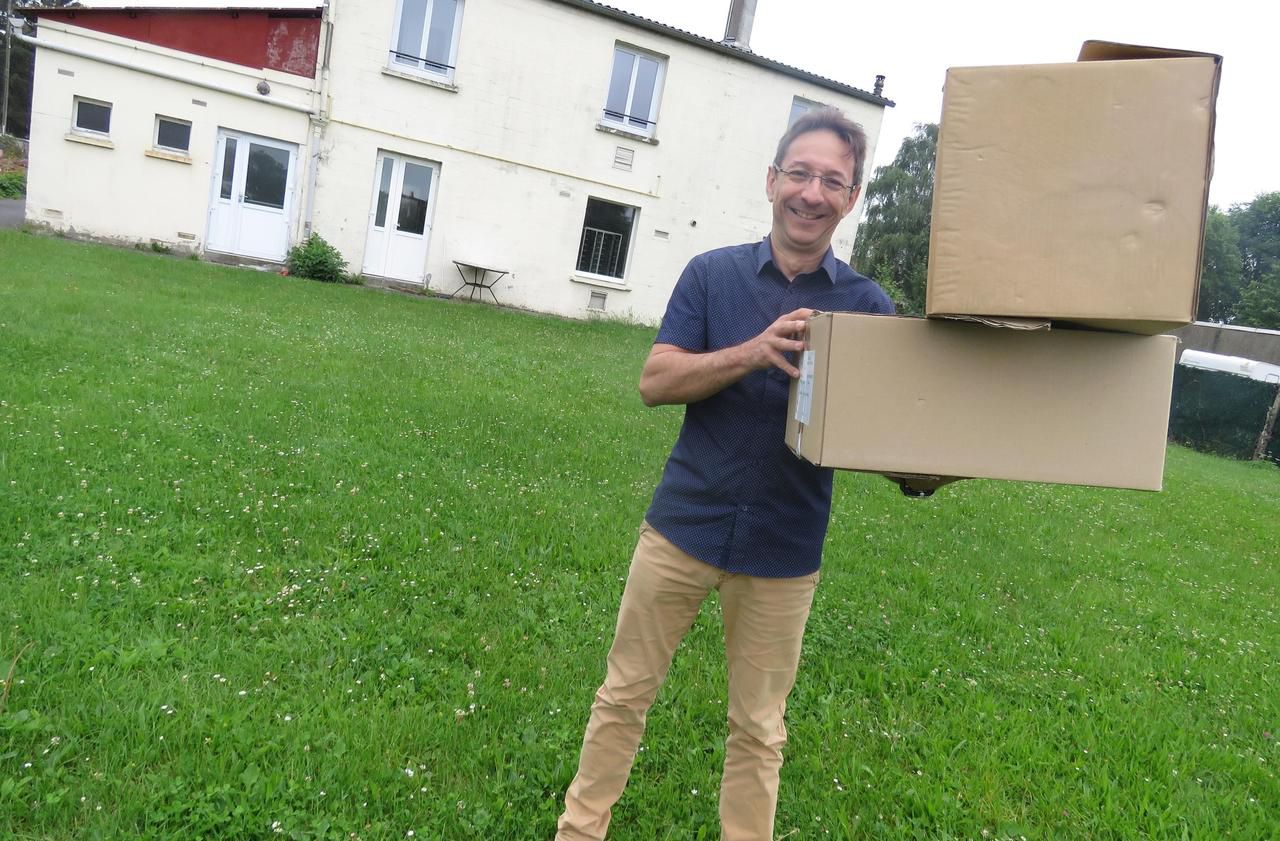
(764, 621)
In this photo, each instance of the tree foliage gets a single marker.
(893, 240)
(1255, 299)
(1220, 272)
(22, 67)
(1258, 225)
(1260, 302)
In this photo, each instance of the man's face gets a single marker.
(806, 215)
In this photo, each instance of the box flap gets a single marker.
(1007, 323)
(1111, 51)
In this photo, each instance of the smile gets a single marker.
(808, 216)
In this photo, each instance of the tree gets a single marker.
(1220, 276)
(22, 66)
(1258, 224)
(1260, 302)
(893, 240)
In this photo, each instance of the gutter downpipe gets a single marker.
(173, 77)
(319, 115)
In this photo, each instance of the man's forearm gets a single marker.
(675, 375)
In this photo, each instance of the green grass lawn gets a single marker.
(286, 559)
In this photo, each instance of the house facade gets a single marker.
(580, 153)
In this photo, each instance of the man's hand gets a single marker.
(673, 374)
(919, 486)
(769, 349)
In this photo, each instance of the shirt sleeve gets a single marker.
(685, 322)
(885, 303)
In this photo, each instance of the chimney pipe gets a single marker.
(737, 30)
(879, 91)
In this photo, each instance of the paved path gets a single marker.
(12, 212)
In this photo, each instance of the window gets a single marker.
(92, 116)
(606, 238)
(634, 86)
(173, 135)
(801, 106)
(426, 36)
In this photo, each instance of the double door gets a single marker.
(400, 218)
(253, 192)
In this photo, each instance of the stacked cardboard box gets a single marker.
(1069, 198)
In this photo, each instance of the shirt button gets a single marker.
(746, 508)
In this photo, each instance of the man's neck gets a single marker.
(793, 264)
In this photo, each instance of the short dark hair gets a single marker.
(832, 120)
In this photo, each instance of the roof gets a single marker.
(724, 49)
(586, 5)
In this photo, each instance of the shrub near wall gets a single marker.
(317, 259)
(13, 185)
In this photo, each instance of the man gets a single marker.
(736, 510)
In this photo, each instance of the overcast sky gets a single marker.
(912, 43)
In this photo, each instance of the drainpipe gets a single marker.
(319, 116)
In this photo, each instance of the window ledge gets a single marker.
(89, 140)
(600, 282)
(165, 155)
(609, 128)
(420, 79)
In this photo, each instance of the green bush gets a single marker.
(317, 259)
(13, 185)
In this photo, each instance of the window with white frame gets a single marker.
(606, 238)
(425, 39)
(801, 106)
(91, 116)
(173, 135)
(634, 89)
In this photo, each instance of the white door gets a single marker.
(400, 218)
(252, 196)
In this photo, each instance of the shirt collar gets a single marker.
(764, 255)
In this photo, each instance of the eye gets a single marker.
(800, 176)
(833, 184)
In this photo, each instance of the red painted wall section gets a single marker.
(255, 38)
(293, 45)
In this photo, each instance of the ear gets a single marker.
(770, 182)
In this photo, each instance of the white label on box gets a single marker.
(804, 390)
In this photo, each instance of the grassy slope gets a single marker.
(274, 545)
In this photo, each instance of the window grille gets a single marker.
(601, 252)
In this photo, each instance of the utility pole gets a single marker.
(8, 47)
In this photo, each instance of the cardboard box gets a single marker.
(1075, 192)
(922, 396)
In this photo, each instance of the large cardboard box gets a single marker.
(924, 396)
(1075, 192)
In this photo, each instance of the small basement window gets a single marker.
(596, 302)
(172, 134)
(91, 116)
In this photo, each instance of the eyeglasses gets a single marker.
(802, 177)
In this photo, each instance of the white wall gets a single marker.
(120, 192)
(516, 138)
(520, 152)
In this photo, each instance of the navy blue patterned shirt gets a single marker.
(732, 494)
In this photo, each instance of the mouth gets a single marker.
(808, 217)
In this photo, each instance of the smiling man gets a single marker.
(735, 511)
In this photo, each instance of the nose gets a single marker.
(812, 191)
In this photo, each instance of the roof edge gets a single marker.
(736, 52)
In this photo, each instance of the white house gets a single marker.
(581, 153)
